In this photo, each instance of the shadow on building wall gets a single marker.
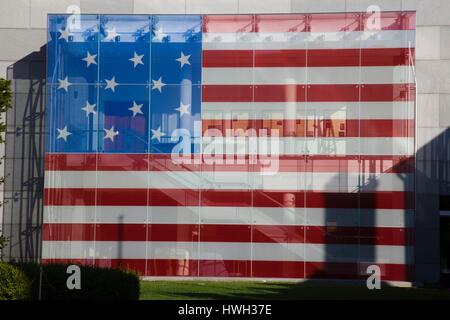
(24, 154)
(363, 238)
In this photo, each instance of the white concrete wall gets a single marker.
(22, 31)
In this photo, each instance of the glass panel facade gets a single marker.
(265, 146)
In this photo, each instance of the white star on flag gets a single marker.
(183, 59)
(183, 109)
(89, 108)
(63, 134)
(64, 34)
(137, 59)
(136, 108)
(112, 34)
(158, 84)
(159, 35)
(110, 133)
(64, 84)
(157, 134)
(111, 84)
(90, 59)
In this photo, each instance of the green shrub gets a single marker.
(14, 284)
(96, 283)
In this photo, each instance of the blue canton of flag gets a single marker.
(123, 84)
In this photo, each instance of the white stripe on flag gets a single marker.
(389, 218)
(325, 181)
(319, 146)
(225, 251)
(309, 75)
(304, 110)
(309, 40)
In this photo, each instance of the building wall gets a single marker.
(22, 59)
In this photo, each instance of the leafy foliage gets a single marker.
(96, 283)
(3, 241)
(14, 285)
(5, 105)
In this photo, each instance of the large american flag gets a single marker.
(325, 100)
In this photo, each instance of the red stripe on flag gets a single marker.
(73, 161)
(69, 197)
(228, 198)
(308, 22)
(247, 268)
(92, 162)
(227, 93)
(366, 200)
(312, 93)
(337, 128)
(354, 270)
(226, 233)
(359, 235)
(138, 265)
(227, 58)
(294, 163)
(228, 23)
(308, 58)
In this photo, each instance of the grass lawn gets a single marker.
(199, 290)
